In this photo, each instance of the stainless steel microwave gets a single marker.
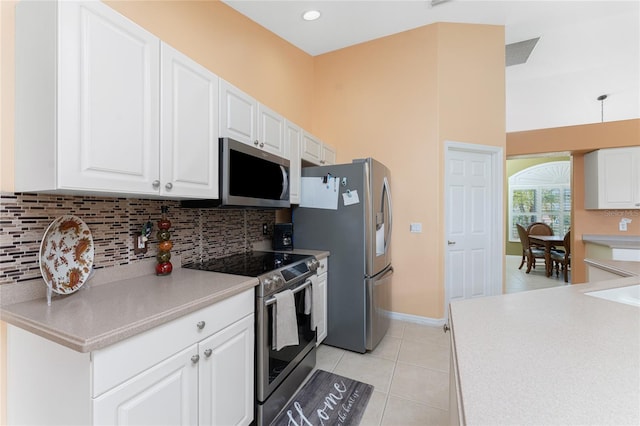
(249, 177)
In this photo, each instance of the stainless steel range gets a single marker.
(278, 373)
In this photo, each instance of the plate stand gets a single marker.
(49, 291)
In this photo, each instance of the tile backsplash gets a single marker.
(114, 222)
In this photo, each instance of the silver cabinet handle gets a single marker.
(155, 183)
(451, 243)
(169, 186)
(195, 358)
(200, 325)
(256, 142)
(261, 144)
(208, 352)
(445, 327)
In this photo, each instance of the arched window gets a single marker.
(541, 193)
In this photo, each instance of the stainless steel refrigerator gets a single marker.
(358, 236)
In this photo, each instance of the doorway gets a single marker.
(474, 221)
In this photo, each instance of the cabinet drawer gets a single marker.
(120, 361)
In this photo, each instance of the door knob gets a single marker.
(195, 359)
(451, 243)
(208, 352)
(200, 325)
(169, 186)
(445, 327)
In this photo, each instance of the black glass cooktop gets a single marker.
(251, 264)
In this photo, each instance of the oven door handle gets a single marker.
(272, 300)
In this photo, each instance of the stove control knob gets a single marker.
(268, 282)
(313, 265)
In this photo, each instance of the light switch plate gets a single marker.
(415, 228)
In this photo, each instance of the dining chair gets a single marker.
(540, 228)
(529, 253)
(563, 257)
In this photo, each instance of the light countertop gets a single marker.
(98, 316)
(624, 268)
(614, 241)
(551, 356)
(118, 302)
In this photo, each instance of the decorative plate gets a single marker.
(66, 254)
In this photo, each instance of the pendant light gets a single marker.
(601, 98)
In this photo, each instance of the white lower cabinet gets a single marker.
(165, 394)
(197, 369)
(323, 269)
(225, 384)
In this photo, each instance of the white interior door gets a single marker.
(474, 211)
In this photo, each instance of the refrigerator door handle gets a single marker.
(387, 190)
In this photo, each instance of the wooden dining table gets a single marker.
(548, 241)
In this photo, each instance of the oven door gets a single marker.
(272, 366)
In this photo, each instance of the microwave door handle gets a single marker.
(285, 182)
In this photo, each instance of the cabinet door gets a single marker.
(321, 332)
(238, 112)
(619, 174)
(328, 155)
(293, 137)
(271, 133)
(189, 129)
(311, 150)
(164, 394)
(226, 375)
(612, 178)
(108, 101)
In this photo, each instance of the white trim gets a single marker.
(436, 322)
(497, 242)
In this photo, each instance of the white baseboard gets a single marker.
(417, 319)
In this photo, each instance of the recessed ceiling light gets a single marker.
(311, 15)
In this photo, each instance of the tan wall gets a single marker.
(245, 54)
(578, 140)
(398, 99)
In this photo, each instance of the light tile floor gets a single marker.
(518, 279)
(409, 371)
(410, 367)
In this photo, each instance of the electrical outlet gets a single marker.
(415, 228)
(622, 225)
(265, 229)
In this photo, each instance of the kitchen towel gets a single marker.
(312, 301)
(285, 324)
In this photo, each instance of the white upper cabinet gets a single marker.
(87, 100)
(246, 120)
(189, 127)
(271, 131)
(328, 154)
(314, 151)
(91, 86)
(293, 138)
(612, 178)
